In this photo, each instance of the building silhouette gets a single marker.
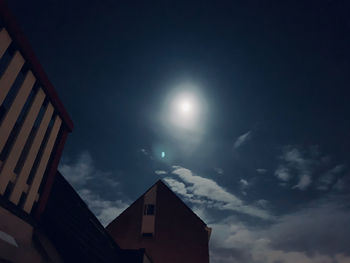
(164, 225)
(42, 218)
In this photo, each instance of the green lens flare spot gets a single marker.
(163, 154)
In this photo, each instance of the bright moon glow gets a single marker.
(185, 107)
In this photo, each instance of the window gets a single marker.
(6, 58)
(148, 210)
(147, 234)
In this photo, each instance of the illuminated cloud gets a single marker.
(309, 239)
(79, 172)
(160, 172)
(282, 173)
(105, 210)
(244, 183)
(242, 139)
(307, 166)
(205, 191)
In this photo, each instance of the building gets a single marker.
(42, 218)
(33, 129)
(160, 222)
(77, 234)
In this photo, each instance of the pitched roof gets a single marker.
(160, 182)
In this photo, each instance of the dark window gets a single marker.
(15, 130)
(52, 157)
(6, 58)
(22, 200)
(8, 190)
(25, 151)
(28, 103)
(13, 92)
(147, 234)
(8, 145)
(41, 151)
(148, 210)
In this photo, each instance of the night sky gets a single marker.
(261, 155)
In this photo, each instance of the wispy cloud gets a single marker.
(144, 151)
(242, 139)
(263, 203)
(105, 210)
(305, 166)
(219, 170)
(79, 172)
(93, 186)
(329, 177)
(160, 172)
(205, 191)
(244, 186)
(304, 182)
(261, 171)
(282, 173)
(244, 182)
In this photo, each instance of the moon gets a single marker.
(184, 110)
(185, 107)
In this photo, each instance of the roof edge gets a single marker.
(160, 181)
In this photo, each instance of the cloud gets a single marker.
(282, 173)
(204, 187)
(178, 187)
(261, 171)
(219, 170)
(263, 203)
(97, 188)
(317, 233)
(242, 139)
(304, 166)
(160, 172)
(203, 191)
(304, 182)
(329, 177)
(244, 183)
(79, 172)
(105, 210)
(321, 227)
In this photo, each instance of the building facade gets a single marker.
(33, 128)
(42, 218)
(162, 224)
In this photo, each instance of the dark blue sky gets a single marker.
(272, 149)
